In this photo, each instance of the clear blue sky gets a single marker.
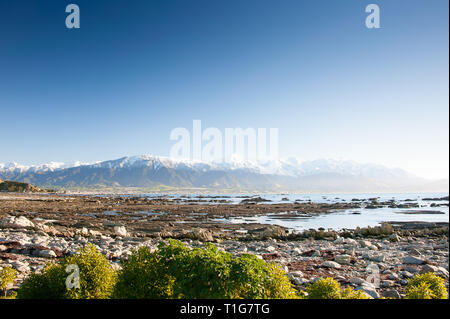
(137, 69)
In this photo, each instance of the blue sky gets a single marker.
(135, 70)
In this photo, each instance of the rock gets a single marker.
(387, 283)
(412, 269)
(298, 281)
(270, 249)
(201, 234)
(47, 253)
(295, 274)
(339, 240)
(342, 259)
(120, 231)
(165, 234)
(11, 244)
(273, 232)
(443, 272)
(350, 252)
(357, 281)
(369, 290)
(16, 222)
(406, 274)
(413, 260)
(415, 252)
(366, 256)
(331, 264)
(20, 266)
(440, 271)
(428, 268)
(391, 293)
(394, 276)
(378, 258)
(365, 243)
(8, 256)
(394, 238)
(108, 223)
(95, 233)
(351, 241)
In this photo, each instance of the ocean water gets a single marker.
(317, 198)
(347, 219)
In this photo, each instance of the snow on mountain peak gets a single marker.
(52, 166)
(287, 167)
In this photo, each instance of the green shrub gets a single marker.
(143, 277)
(329, 288)
(49, 283)
(175, 271)
(421, 291)
(253, 278)
(426, 286)
(350, 293)
(96, 278)
(384, 230)
(7, 277)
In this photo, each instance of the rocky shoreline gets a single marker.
(36, 228)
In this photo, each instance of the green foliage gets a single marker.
(320, 234)
(175, 271)
(7, 277)
(329, 288)
(252, 278)
(350, 293)
(143, 276)
(49, 283)
(97, 278)
(421, 291)
(426, 286)
(11, 186)
(384, 230)
(324, 289)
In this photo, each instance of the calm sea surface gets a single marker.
(348, 219)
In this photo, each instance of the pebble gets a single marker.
(331, 264)
(413, 260)
(398, 261)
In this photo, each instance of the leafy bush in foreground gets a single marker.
(96, 278)
(329, 288)
(175, 271)
(7, 277)
(421, 291)
(426, 286)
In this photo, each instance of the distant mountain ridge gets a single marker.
(290, 175)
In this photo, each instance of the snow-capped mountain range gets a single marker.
(285, 174)
(287, 167)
